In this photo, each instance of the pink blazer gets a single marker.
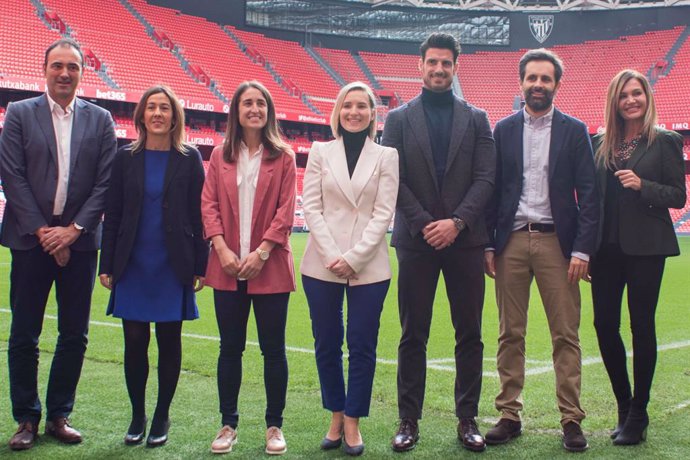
(272, 219)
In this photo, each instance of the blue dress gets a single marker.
(149, 290)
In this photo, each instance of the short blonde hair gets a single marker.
(344, 91)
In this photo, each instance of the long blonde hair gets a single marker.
(614, 123)
(177, 133)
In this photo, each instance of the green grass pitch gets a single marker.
(102, 407)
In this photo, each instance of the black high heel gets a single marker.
(623, 411)
(136, 431)
(158, 435)
(635, 428)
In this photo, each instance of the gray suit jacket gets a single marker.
(29, 171)
(468, 181)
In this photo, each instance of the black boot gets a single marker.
(635, 428)
(623, 410)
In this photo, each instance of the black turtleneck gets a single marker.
(354, 142)
(438, 111)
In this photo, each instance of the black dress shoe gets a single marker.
(635, 428)
(503, 431)
(136, 431)
(159, 433)
(407, 436)
(329, 444)
(469, 434)
(353, 451)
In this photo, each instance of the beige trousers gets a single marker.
(526, 256)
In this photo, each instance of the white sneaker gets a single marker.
(225, 439)
(275, 442)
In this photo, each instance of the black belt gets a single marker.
(56, 221)
(538, 228)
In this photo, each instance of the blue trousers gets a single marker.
(364, 306)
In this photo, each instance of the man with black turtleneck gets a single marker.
(447, 172)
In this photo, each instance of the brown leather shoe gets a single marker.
(469, 435)
(407, 436)
(503, 431)
(24, 438)
(61, 430)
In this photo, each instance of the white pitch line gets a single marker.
(431, 364)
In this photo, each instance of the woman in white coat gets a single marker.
(350, 190)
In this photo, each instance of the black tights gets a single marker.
(612, 271)
(168, 337)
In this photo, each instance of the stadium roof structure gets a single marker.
(530, 5)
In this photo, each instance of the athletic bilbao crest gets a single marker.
(541, 26)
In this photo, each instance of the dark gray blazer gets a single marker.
(29, 171)
(645, 225)
(468, 181)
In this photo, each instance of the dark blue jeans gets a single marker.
(32, 277)
(364, 306)
(232, 314)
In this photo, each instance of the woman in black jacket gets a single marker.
(640, 173)
(153, 255)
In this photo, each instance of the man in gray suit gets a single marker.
(55, 156)
(447, 170)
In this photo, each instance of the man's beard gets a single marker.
(537, 105)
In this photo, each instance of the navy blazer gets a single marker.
(572, 184)
(468, 180)
(29, 171)
(182, 184)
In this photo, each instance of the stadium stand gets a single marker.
(308, 77)
(215, 51)
(22, 41)
(134, 60)
(668, 88)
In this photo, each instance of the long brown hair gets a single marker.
(177, 133)
(270, 134)
(614, 123)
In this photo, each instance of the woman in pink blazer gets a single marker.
(350, 190)
(248, 205)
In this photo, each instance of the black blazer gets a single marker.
(468, 180)
(572, 186)
(645, 225)
(184, 179)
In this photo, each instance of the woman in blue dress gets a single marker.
(153, 255)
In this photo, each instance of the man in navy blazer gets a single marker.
(55, 156)
(543, 224)
(447, 169)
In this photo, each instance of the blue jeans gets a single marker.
(364, 306)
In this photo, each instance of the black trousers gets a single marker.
(31, 279)
(232, 314)
(611, 272)
(463, 272)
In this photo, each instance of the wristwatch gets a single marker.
(263, 255)
(459, 224)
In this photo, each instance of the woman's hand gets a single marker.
(342, 269)
(229, 261)
(251, 266)
(106, 281)
(198, 283)
(629, 179)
